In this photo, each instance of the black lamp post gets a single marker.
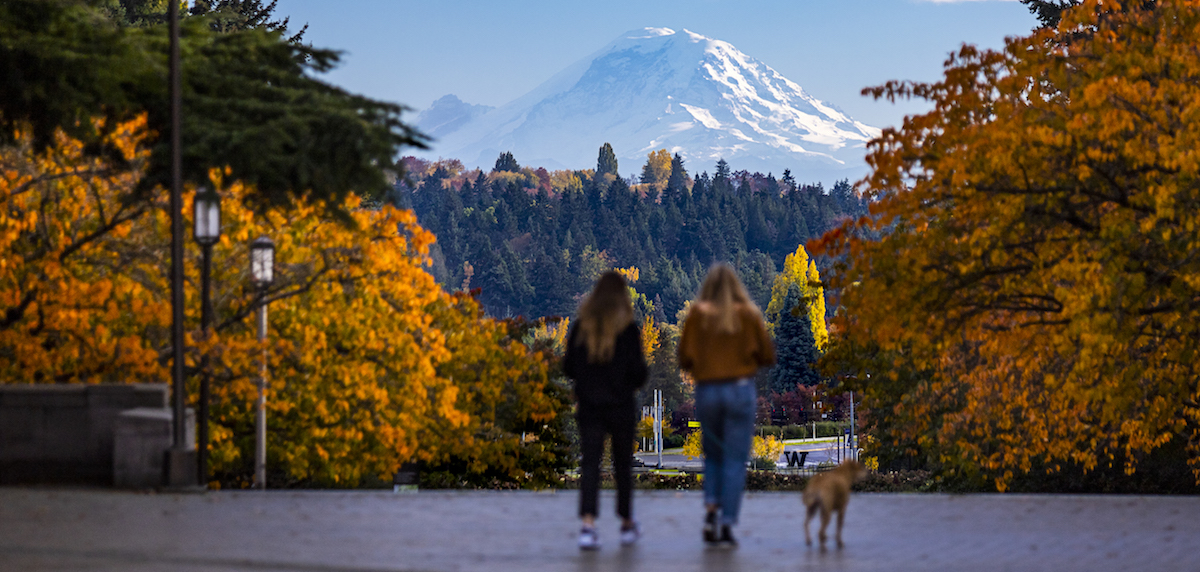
(180, 458)
(206, 212)
(262, 273)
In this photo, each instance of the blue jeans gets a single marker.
(726, 413)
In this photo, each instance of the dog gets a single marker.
(829, 492)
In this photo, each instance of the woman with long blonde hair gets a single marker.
(724, 343)
(604, 358)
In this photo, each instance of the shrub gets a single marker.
(795, 432)
(673, 441)
(769, 430)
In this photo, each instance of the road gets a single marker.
(818, 452)
(102, 531)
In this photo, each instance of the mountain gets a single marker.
(448, 114)
(657, 88)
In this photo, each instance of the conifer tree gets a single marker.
(678, 180)
(506, 162)
(795, 349)
(253, 101)
(720, 180)
(607, 161)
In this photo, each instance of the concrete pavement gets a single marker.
(99, 530)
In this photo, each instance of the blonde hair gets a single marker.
(722, 292)
(603, 315)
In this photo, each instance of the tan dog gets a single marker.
(829, 492)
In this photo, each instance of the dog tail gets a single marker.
(810, 497)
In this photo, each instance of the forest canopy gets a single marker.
(251, 98)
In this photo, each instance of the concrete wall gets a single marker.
(140, 437)
(64, 433)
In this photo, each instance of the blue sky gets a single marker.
(490, 52)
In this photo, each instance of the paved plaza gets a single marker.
(100, 530)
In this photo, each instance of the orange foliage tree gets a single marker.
(371, 363)
(72, 308)
(1034, 301)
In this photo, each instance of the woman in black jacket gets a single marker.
(604, 358)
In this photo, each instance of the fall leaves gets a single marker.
(1039, 264)
(371, 363)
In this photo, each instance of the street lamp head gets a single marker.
(262, 261)
(206, 210)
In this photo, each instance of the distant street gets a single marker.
(105, 531)
(818, 452)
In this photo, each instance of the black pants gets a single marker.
(619, 422)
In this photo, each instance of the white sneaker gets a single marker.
(631, 535)
(588, 540)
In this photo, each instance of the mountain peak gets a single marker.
(657, 88)
(648, 32)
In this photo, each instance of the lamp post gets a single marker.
(180, 460)
(206, 212)
(262, 272)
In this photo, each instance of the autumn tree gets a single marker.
(371, 362)
(657, 168)
(800, 271)
(1034, 301)
(72, 308)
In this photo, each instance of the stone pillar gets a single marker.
(141, 437)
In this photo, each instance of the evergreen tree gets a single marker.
(232, 15)
(607, 162)
(560, 237)
(720, 181)
(253, 101)
(795, 349)
(1049, 12)
(506, 162)
(787, 182)
(678, 180)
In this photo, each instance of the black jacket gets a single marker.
(604, 385)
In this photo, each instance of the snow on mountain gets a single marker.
(657, 88)
(448, 114)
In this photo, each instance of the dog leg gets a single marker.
(812, 511)
(824, 523)
(841, 517)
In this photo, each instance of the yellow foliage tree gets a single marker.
(72, 308)
(657, 169)
(693, 445)
(800, 270)
(371, 363)
(1033, 300)
(768, 448)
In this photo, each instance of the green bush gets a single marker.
(762, 464)
(769, 430)
(831, 428)
(795, 432)
(674, 440)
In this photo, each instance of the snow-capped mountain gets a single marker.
(657, 88)
(447, 115)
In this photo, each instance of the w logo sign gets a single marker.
(795, 458)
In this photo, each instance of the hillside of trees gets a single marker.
(532, 240)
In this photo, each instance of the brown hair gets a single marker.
(722, 291)
(603, 315)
